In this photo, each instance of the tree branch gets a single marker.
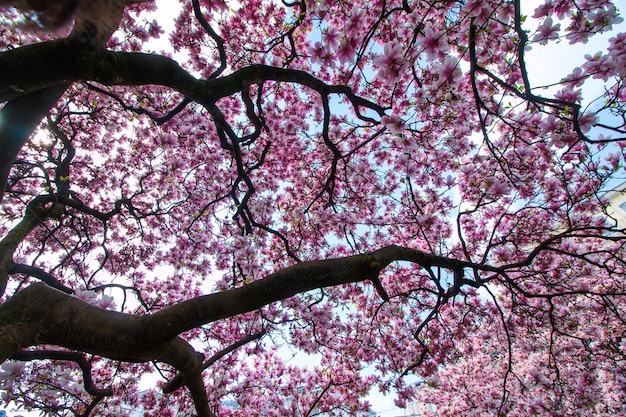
(40, 314)
(34, 215)
(59, 355)
(18, 120)
(40, 274)
(40, 65)
(176, 382)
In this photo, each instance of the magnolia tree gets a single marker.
(293, 204)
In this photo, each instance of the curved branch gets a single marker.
(59, 355)
(159, 120)
(216, 38)
(31, 99)
(92, 406)
(35, 213)
(40, 274)
(37, 66)
(40, 314)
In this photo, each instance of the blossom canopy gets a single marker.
(262, 208)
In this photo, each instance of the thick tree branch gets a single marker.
(41, 65)
(41, 314)
(30, 103)
(18, 120)
(38, 74)
(92, 405)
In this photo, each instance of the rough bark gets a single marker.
(41, 314)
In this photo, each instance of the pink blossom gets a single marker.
(599, 66)
(550, 124)
(362, 214)
(450, 69)
(479, 10)
(155, 30)
(544, 9)
(578, 36)
(319, 54)
(575, 79)
(586, 121)
(357, 18)
(497, 187)
(547, 31)
(449, 181)
(434, 42)
(393, 123)
(346, 51)
(614, 159)
(391, 62)
(331, 37)
(11, 370)
(569, 95)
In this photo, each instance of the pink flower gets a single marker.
(599, 66)
(550, 124)
(586, 121)
(393, 123)
(331, 37)
(579, 36)
(434, 43)
(496, 186)
(317, 53)
(618, 43)
(346, 51)
(11, 369)
(567, 94)
(614, 159)
(156, 30)
(391, 62)
(449, 69)
(106, 302)
(575, 79)
(357, 16)
(320, 55)
(479, 10)
(547, 31)
(399, 402)
(543, 10)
